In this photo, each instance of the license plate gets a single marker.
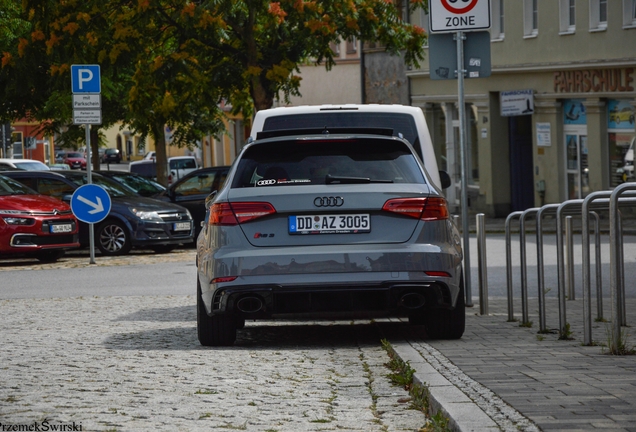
(61, 228)
(181, 226)
(330, 224)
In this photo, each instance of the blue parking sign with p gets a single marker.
(86, 79)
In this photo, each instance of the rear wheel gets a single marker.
(448, 324)
(216, 330)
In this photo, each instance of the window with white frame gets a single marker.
(598, 15)
(567, 16)
(629, 13)
(530, 18)
(497, 29)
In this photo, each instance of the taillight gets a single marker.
(435, 273)
(224, 279)
(427, 209)
(238, 213)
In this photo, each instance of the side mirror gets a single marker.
(445, 179)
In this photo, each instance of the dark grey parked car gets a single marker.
(340, 225)
(133, 221)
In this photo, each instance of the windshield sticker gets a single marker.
(270, 182)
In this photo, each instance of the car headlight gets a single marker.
(12, 220)
(150, 216)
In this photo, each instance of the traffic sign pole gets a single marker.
(89, 177)
(453, 16)
(463, 151)
(86, 82)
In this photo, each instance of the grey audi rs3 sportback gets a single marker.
(331, 223)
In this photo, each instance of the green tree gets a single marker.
(171, 62)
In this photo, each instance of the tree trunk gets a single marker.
(160, 151)
(94, 147)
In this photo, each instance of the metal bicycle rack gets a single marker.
(602, 200)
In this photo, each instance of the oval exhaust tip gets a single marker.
(412, 300)
(249, 304)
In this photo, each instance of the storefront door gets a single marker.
(577, 165)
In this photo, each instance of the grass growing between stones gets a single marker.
(621, 347)
(402, 375)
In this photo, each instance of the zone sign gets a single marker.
(458, 15)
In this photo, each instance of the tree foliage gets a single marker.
(171, 62)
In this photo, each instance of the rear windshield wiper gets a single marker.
(330, 179)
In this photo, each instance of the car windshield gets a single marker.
(30, 165)
(139, 184)
(112, 151)
(12, 187)
(74, 155)
(113, 188)
(339, 161)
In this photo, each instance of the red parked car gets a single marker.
(75, 160)
(34, 225)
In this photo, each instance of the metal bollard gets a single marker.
(569, 247)
(511, 216)
(481, 258)
(524, 264)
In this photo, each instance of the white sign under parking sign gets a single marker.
(459, 15)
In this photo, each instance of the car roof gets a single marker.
(10, 160)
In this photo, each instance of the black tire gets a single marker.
(49, 256)
(163, 249)
(240, 323)
(216, 330)
(445, 323)
(113, 238)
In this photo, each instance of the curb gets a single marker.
(463, 414)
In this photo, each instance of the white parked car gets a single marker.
(24, 164)
(178, 167)
(405, 121)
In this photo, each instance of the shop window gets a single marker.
(567, 16)
(620, 127)
(497, 30)
(598, 15)
(530, 18)
(629, 13)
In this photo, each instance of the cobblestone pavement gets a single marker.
(81, 258)
(134, 363)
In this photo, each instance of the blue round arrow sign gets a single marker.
(90, 203)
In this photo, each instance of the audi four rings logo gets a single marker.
(328, 201)
(265, 182)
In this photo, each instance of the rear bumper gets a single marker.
(372, 299)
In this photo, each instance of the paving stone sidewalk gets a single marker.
(559, 385)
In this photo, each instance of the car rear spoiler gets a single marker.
(324, 131)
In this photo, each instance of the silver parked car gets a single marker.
(332, 223)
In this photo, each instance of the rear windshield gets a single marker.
(183, 164)
(335, 161)
(400, 123)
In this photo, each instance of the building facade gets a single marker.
(555, 118)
